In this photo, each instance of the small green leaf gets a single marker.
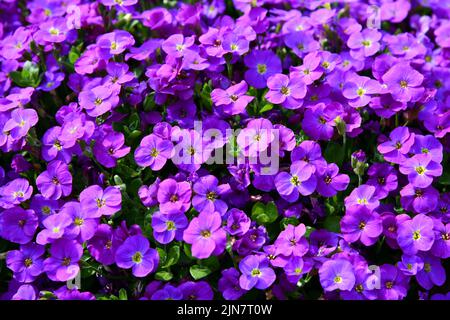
(28, 77)
(264, 214)
(266, 107)
(198, 272)
(73, 55)
(164, 275)
(332, 223)
(123, 294)
(173, 255)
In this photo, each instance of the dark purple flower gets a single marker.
(262, 65)
(62, 265)
(200, 290)
(18, 225)
(207, 195)
(135, 253)
(229, 284)
(26, 263)
(238, 223)
(56, 181)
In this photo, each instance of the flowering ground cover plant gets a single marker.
(220, 149)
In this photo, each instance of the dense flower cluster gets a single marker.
(218, 149)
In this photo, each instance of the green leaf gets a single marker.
(173, 255)
(264, 214)
(73, 55)
(445, 178)
(334, 153)
(212, 263)
(332, 223)
(198, 272)
(162, 256)
(123, 294)
(164, 275)
(28, 77)
(266, 107)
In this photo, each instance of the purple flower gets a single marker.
(330, 181)
(233, 100)
(337, 274)
(177, 45)
(416, 234)
(98, 100)
(110, 148)
(427, 145)
(135, 253)
(56, 181)
(358, 90)
(308, 71)
(101, 202)
(294, 269)
(421, 170)
(174, 196)
(207, 193)
(287, 91)
(432, 273)
(229, 284)
(200, 290)
(361, 224)
(20, 122)
(168, 226)
(25, 292)
(419, 200)
(121, 3)
(256, 137)
(114, 43)
(18, 225)
(55, 226)
(169, 292)
(83, 225)
(318, 123)
(364, 43)
(410, 265)
(26, 263)
(153, 152)
(15, 192)
(53, 30)
(384, 178)
(262, 64)
(62, 265)
(395, 149)
(235, 43)
(206, 235)
(362, 196)
(256, 273)
(300, 180)
(441, 245)
(290, 241)
(238, 223)
(393, 283)
(403, 82)
(103, 245)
